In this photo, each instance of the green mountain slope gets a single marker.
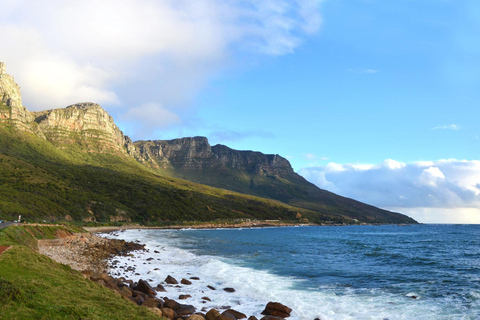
(40, 181)
(75, 163)
(254, 173)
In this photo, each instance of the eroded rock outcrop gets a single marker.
(86, 124)
(196, 154)
(11, 107)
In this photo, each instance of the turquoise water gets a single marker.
(353, 272)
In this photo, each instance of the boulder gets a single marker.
(157, 311)
(184, 296)
(160, 288)
(194, 278)
(185, 281)
(271, 318)
(206, 298)
(168, 313)
(224, 317)
(277, 309)
(152, 303)
(234, 313)
(125, 291)
(252, 318)
(171, 280)
(196, 317)
(185, 309)
(172, 304)
(212, 314)
(229, 289)
(211, 288)
(145, 287)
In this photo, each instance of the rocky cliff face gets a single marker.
(196, 154)
(85, 124)
(11, 107)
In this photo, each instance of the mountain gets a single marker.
(75, 163)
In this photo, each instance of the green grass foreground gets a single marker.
(33, 286)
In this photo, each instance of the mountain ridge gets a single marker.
(90, 128)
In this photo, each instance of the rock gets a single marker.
(196, 317)
(206, 298)
(185, 310)
(234, 313)
(224, 317)
(144, 286)
(184, 296)
(139, 300)
(277, 309)
(211, 288)
(168, 313)
(152, 303)
(212, 314)
(172, 304)
(229, 289)
(195, 278)
(125, 291)
(171, 280)
(271, 318)
(157, 311)
(252, 318)
(185, 281)
(160, 288)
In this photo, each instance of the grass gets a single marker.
(33, 286)
(42, 182)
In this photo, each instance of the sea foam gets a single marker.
(255, 288)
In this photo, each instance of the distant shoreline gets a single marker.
(257, 224)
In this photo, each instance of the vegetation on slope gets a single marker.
(33, 286)
(42, 182)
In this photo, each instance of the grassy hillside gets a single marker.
(33, 286)
(294, 190)
(42, 182)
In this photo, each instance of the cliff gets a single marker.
(89, 127)
(11, 108)
(264, 175)
(85, 124)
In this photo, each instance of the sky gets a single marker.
(371, 99)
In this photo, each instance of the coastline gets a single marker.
(96, 257)
(223, 225)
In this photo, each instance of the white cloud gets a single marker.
(143, 120)
(439, 186)
(452, 126)
(65, 51)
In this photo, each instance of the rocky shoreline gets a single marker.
(223, 225)
(89, 254)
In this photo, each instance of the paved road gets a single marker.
(6, 224)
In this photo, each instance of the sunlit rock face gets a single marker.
(11, 107)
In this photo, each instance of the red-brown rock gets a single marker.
(277, 309)
(171, 280)
(145, 287)
(235, 314)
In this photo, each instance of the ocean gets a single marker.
(351, 272)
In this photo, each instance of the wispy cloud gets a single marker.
(131, 53)
(448, 127)
(363, 71)
(224, 136)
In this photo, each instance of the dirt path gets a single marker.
(3, 249)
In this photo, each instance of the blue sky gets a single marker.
(375, 100)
